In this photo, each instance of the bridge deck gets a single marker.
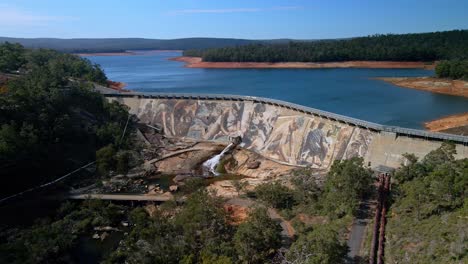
(122, 197)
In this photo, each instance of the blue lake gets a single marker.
(350, 92)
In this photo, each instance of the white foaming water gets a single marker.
(213, 162)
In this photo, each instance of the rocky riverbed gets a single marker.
(167, 162)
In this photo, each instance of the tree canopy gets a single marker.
(51, 118)
(198, 232)
(275, 194)
(453, 69)
(320, 246)
(390, 47)
(257, 239)
(12, 57)
(49, 241)
(430, 204)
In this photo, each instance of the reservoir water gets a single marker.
(350, 92)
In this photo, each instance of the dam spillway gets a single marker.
(282, 131)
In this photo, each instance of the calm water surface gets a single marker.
(350, 92)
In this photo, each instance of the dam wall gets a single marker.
(282, 131)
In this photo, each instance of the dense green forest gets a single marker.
(453, 69)
(51, 119)
(427, 222)
(391, 47)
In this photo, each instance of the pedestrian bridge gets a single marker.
(123, 197)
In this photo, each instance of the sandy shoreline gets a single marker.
(453, 124)
(431, 84)
(196, 62)
(448, 123)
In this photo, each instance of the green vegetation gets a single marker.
(322, 245)
(275, 195)
(49, 241)
(11, 57)
(427, 222)
(346, 184)
(51, 119)
(52, 65)
(453, 69)
(406, 47)
(105, 159)
(198, 232)
(257, 239)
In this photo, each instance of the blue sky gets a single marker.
(253, 19)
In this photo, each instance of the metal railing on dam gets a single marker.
(307, 110)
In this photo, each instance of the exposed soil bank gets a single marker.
(431, 84)
(453, 124)
(196, 62)
(119, 86)
(449, 123)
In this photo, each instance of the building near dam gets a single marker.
(282, 131)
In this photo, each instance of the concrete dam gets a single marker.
(282, 131)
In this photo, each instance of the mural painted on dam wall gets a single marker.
(264, 128)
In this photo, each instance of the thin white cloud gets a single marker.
(233, 10)
(287, 8)
(11, 16)
(216, 11)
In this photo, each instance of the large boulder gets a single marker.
(236, 140)
(181, 177)
(253, 164)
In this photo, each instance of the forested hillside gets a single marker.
(123, 44)
(406, 47)
(427, 223)
(51, 120)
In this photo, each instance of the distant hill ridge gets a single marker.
(123, 44)
(414, 46)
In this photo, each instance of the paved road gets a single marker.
(356, 236)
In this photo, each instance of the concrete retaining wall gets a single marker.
(282, 131)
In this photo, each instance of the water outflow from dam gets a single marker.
(212, 163)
